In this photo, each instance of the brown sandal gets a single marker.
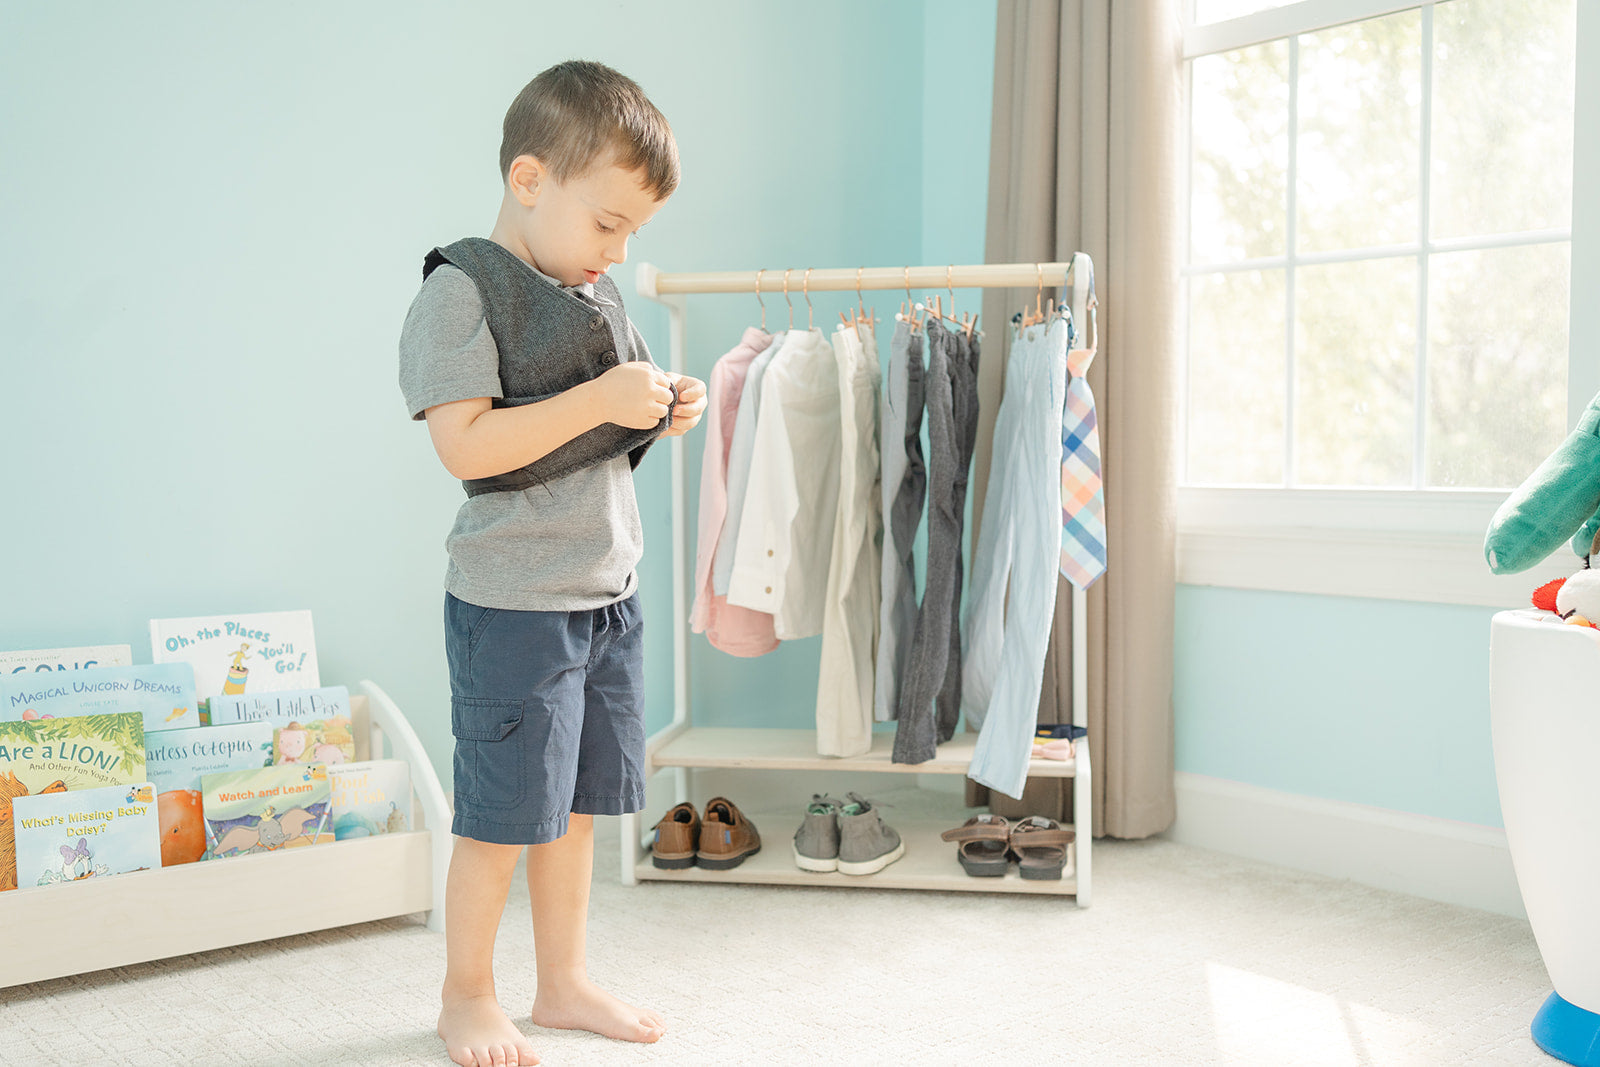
(1040, 846)
(984, 842)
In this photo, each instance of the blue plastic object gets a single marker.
(1568, 1032)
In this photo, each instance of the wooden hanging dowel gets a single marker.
(655, 283)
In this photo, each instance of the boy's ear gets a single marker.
(524, 178)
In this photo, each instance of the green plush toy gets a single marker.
(1560, 499)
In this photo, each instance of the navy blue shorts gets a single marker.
(547, 709)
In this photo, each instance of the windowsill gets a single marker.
(1391, 545)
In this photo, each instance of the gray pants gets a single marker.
(904, 485)
(930, 693)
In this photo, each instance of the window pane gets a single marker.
(1240, 154)
(1355, 337)
(1360, 111)
(1502, 116)
(1497, 367)
(1236, 387)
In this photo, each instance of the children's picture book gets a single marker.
(370, 797)
(162, 692)
(265, 809)
(87, 833)
(58, 755)
(233, 654)
(177, 761)
(324, 741)
(23, 661)
(283, 707)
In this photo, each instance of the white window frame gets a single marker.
(1397, 544)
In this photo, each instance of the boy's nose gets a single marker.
(618, 252)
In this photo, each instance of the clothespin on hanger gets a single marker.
(760, 301)
(786, 299)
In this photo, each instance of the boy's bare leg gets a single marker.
(476, 1031)
(558, 884)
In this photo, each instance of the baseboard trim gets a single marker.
(1454, 862)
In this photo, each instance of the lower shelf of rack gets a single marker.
(929, 863)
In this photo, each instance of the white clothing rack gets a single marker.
(929, 863)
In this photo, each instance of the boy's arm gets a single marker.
(474, 439)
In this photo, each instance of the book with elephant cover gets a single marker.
(179, 759)
(162, 692)
(250, 653)
(265, 809)
(87, 833)
(370, 797)
(30, 660)
(58, 755)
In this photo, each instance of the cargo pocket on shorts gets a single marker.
(490, 768)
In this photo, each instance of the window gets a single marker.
(1379, 223)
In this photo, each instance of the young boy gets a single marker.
(541, 397)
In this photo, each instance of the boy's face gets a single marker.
(577, 230)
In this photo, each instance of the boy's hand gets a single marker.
(691, 404)
(635, 395)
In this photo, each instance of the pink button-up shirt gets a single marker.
(735, 630)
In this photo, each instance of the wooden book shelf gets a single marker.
(197, 907)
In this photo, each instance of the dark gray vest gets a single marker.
(550, 339)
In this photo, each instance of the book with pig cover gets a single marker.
(266, 809)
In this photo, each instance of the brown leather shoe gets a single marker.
(677, 837)
(726, 836)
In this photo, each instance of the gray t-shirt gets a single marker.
(569, 545)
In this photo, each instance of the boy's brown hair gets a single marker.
(575, 113)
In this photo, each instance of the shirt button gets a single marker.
(596, 322)
(608, 357)
(769, 588)
(769, 551)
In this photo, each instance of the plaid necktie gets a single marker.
(1083, 501)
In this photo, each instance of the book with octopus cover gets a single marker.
(179, 759)
(87, 833)
(370, 797)
(266, 809)
(162, 692)
(249, 653)
(58, 755)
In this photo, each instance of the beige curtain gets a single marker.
(1083, 156)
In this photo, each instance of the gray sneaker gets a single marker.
(816, 843)
(866, 846)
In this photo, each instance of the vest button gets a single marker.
(608, 357)
(596, 322)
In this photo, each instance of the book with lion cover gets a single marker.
(57, 755)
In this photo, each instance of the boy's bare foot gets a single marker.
(477, 1034)
(585, 1006)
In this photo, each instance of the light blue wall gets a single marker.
(214, 221)
(1376, 702)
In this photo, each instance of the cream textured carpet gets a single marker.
(1186, 957)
